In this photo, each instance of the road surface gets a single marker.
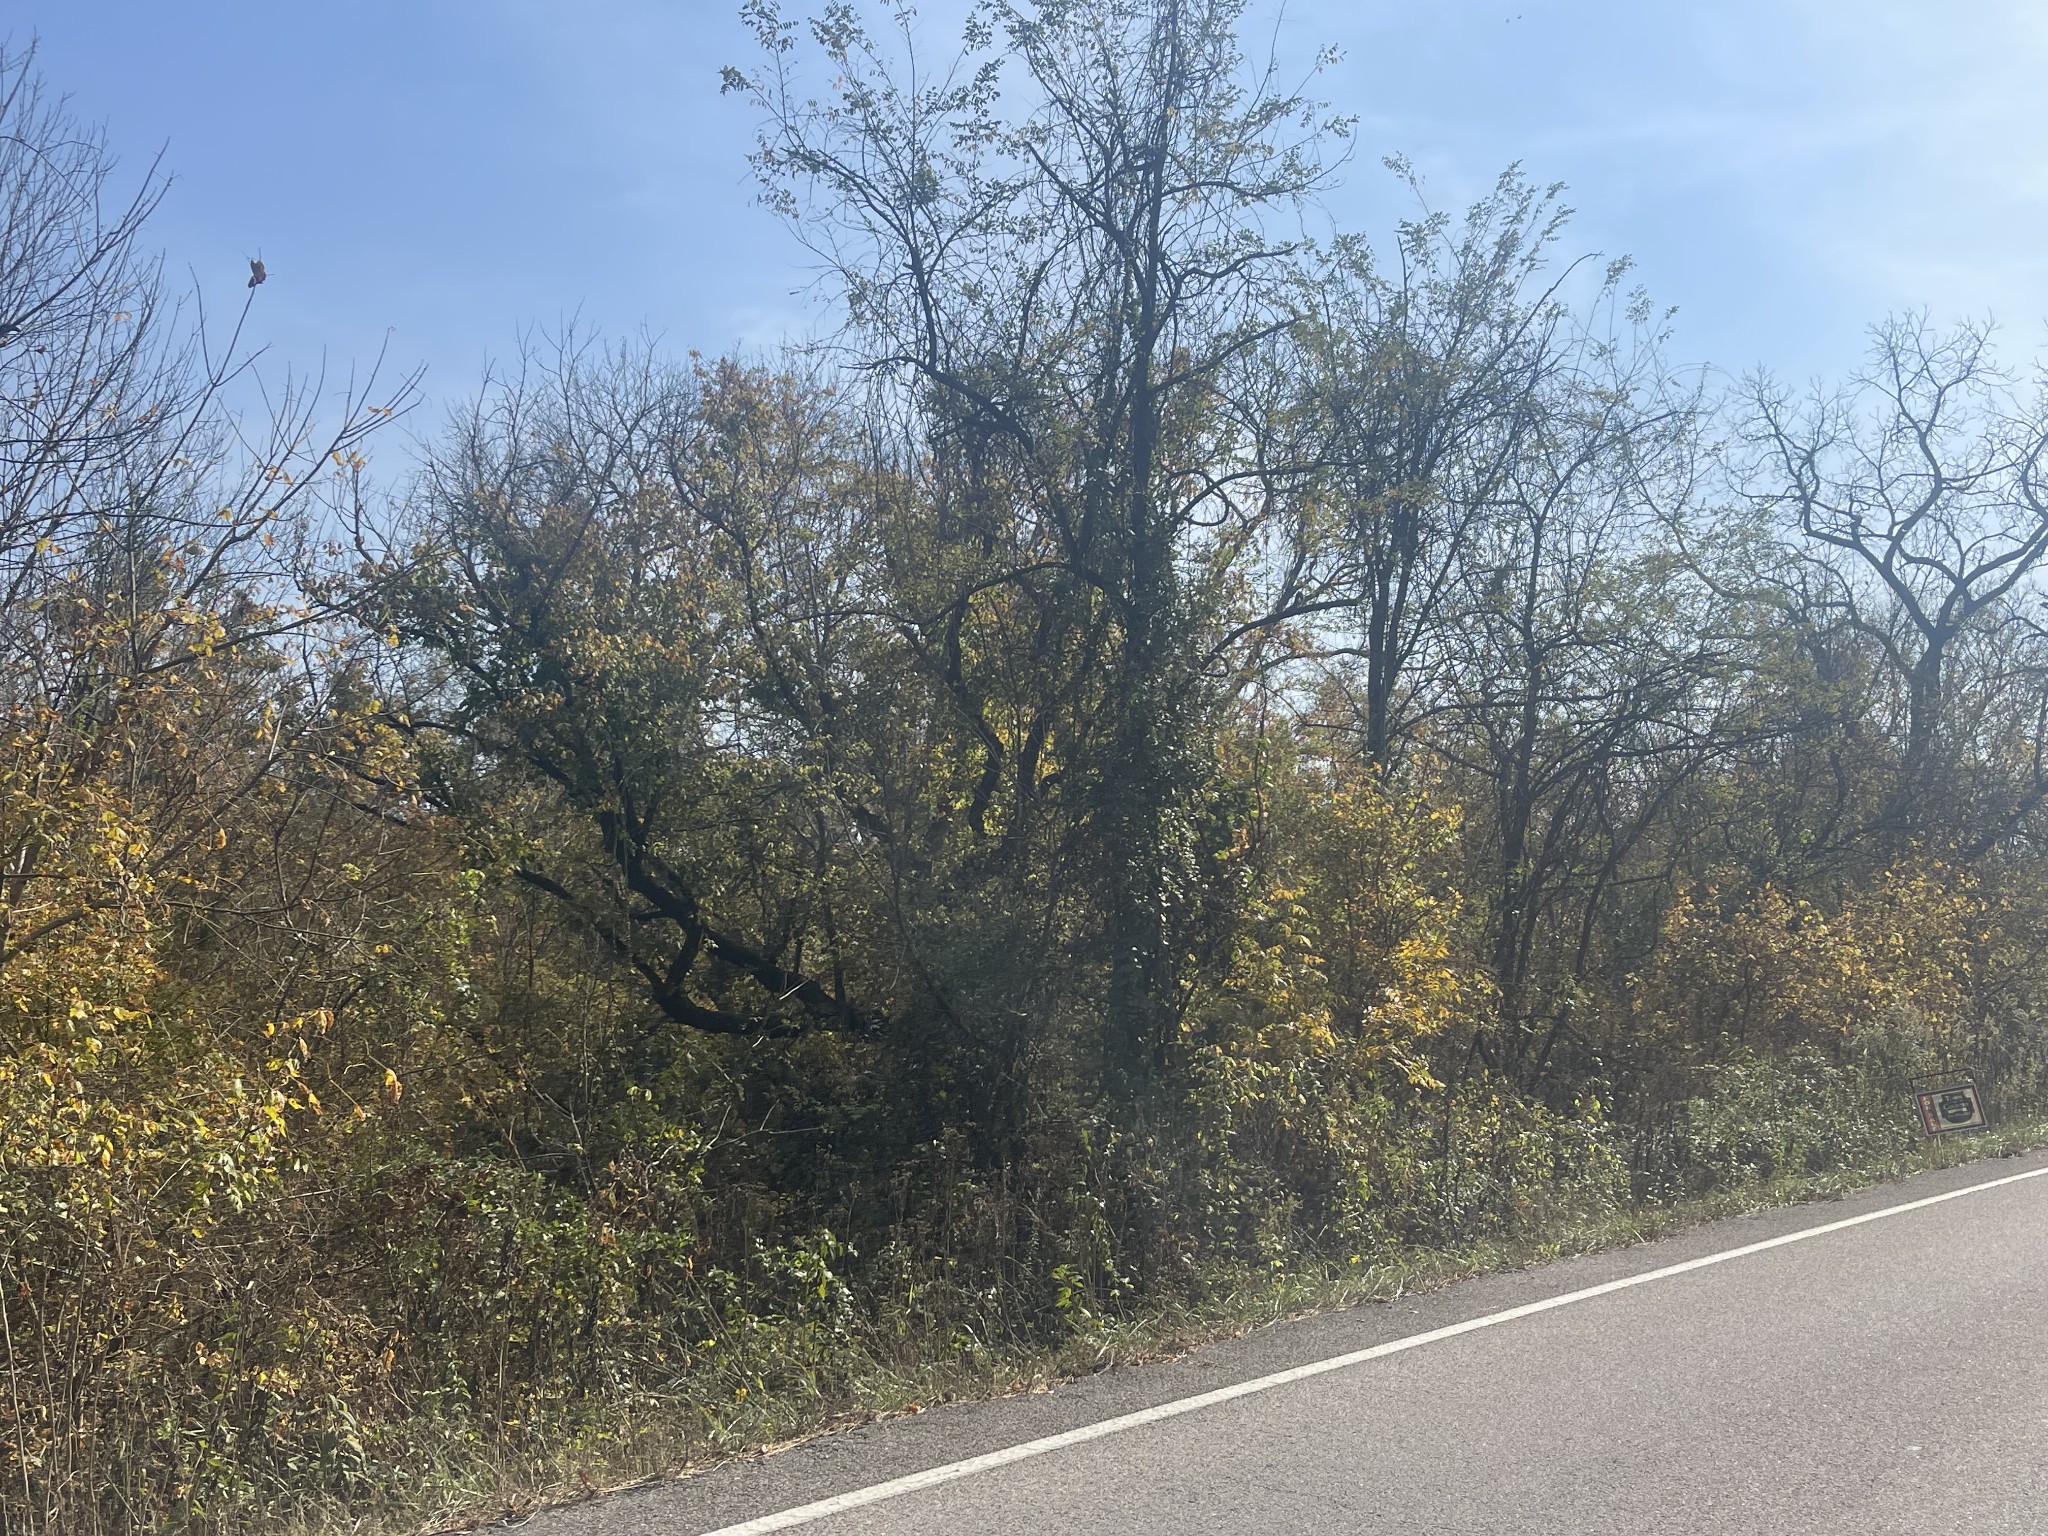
(1868, 1365)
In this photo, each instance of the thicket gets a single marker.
(1169, 751)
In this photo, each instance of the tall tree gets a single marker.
(1583, 694)
(1429, 371)
(1062, 280)
(1918, 495)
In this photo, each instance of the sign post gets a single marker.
(1950, 1106)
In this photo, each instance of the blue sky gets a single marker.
(446, 172)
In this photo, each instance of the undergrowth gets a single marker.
(459, 1478)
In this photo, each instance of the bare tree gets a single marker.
(1919, 497)
(148, 529)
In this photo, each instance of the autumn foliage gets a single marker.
(1171, 757)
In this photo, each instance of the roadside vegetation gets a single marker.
(1173, 771)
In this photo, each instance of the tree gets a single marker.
(1584, 695)
(178, 917)
(1919, 495)
(147, 540)
(1427, 382)
(1062, 290)
(633, 586)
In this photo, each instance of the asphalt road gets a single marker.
(1885, 1376)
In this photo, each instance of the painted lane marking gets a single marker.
(952, 1471)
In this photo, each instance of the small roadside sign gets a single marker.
(1951, 1107)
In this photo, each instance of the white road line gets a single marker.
(932, 1477)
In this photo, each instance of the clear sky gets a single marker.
(446, 172)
